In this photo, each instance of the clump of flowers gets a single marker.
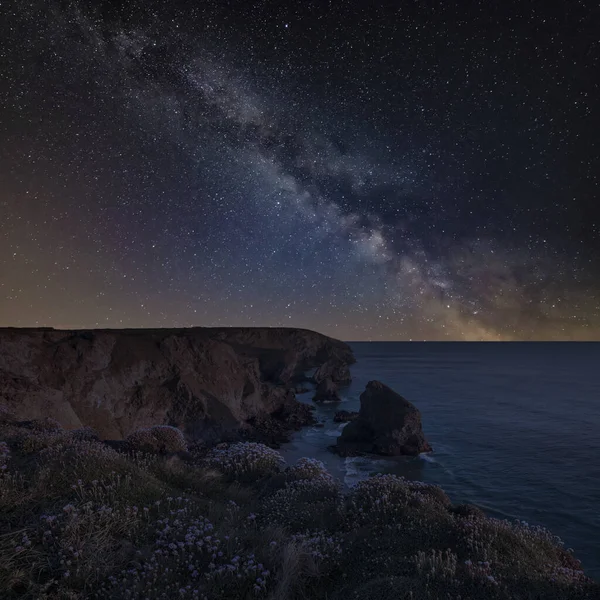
(437, 564)
(88, 450)
(386, 499)
(479, 571)
(486, 539)
(321, 545)
(303, 503)
(379, 493)
(160, 438)
(32, 441)
(109, 489)
(308, 468)
(32, 436)
(188, 555)
(244, 458)
(78, 539)
(432, 492)
(73, 460)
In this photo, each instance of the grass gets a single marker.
(79, 520)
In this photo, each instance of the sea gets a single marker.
(515, 429)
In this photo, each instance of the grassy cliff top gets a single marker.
(154, 519)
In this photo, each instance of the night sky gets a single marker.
(417, 170)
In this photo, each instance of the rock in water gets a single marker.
(387, 424)
(327, 391)
(335, 370)
(344, 416)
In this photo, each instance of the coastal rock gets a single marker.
(345, 416)
(286, 354)
(300, 389)
(209, 382)
(387, 424)
(273, 429)
(327, 391)
(335, 370)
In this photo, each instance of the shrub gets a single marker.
(85, 521)
(304, 504)
(34, 440)
(440, 564)
(190, 559)
(74, 463)
(388, 499)
(82, 542)
(308, 468)
(79, 545)
(160, 438)
(244, 459)
(322, 546)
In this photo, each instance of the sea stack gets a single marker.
(387, 424)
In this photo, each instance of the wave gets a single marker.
(333, 433)
(358, 468)
(352, 471)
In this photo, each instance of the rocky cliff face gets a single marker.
(206, 381)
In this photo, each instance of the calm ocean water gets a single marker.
(515, 429)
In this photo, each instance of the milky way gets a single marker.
(407, 173)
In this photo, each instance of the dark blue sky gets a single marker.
(425, 170)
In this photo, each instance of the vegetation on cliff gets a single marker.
(79, 519)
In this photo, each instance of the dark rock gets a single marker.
(387, 424)
(299, 389)
(344, 416)
(208, 382)
(335, 370)
(319, 425)
(327, 391)
(276, 428)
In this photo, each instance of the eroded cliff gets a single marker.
(206, 381)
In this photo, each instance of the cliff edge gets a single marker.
(206, 381)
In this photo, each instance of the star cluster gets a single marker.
(424, 170)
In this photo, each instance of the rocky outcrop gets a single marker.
(327, 391)
(334, 370)
(387, 424)
(208, 382)
(345, 416)
(329, 377)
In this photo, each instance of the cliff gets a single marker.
(206, 381)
